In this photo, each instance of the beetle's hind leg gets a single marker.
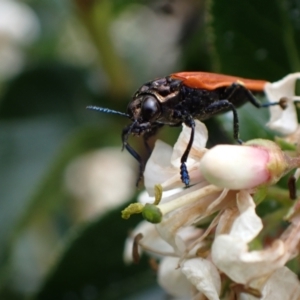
(237, 89)
(236, 92)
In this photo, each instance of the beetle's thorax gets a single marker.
(163, 88)
(151, 101)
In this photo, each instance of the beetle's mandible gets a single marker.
(181, 98)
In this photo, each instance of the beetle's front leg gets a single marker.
(125, 134)
(185, 178)
(148, 134)
(137, 129)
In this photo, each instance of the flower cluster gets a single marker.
(209, 240)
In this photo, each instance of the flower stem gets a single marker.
(97, 18)
(188, 198)
(289, 36)
(154, 213)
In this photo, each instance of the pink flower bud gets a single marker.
(236, 167)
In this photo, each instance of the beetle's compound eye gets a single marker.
(150, 108)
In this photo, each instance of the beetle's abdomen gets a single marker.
(212, 81)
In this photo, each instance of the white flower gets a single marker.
(182, 209)
(19, 27)
(283, 120)
(212, 226)
(92, 188)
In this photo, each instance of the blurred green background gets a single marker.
(63, 177)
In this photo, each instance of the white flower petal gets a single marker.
(185, 236)
(227, 217)
(204, 275)
(283, 284)
(158, 168)
(284, 121)
(151, 239)
(248, 225)
(230, 251)
(171, 279)
(231, 256)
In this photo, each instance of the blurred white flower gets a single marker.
(99, 181)
(134, 33)
(19, 27)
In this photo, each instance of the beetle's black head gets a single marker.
(144, 108)
(150, 106)
(143, 111)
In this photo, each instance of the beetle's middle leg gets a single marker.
(211, 109)
(223, 105)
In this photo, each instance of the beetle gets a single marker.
(181, 98)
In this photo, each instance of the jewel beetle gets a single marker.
(181, 98)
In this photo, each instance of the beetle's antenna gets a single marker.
(107, 110)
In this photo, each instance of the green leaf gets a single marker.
(255, 38)
(92, 261)
(48, 204)
(48, 89)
